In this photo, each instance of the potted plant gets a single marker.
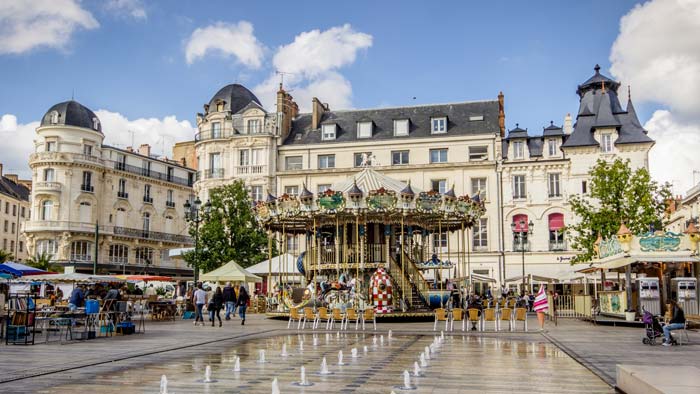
(630, 314)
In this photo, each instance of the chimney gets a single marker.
(0, 169)
(317, 110)
(287, 109)
(501, 114)
(145, 150)
(568, 128)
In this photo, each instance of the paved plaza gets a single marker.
(570, 358)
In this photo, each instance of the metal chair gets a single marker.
(322, 314)
(308, 315)
(474, 318)
(441, 315)
(507, 316)
(489, 316)
(369, 315)
(521, 315)
(458, 315)
(351, 314)
(294, 316)
(336, 314)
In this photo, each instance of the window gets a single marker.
(479, 187)
(323, 187)
(520, 233)
(21, 246)
(87, 150)
(168, 225)
(170, 199)
(146, 168)
(519, 186)
(22, 212)
(401, 127)
(364, 129)
(46, 210)
(399, 157)
(518, 150)
(556, 232)
(147, 194)
(12, 245)
(146, 222)
(121, 192)
(256, 157)
(87, 182)
(6, 226)
(439, 125)
(438, 155)
(584, 187)
(606, 144)
(362, 159)
(293, 163)
(216, 130)
(95, 123)
(53, 117)
(118, 254)
(81, 251)
(475, 118)
(439, 240)
(121, 217)
(256, 193)
(85, 212)
(291, 190)
(254, 126)
(244, 158)
(215, 169)
(477, 153)
(7, 207)
(552, 147)
(121, 162)
(554, 186)
(439, 185)
(292, 244)
(13, 228)
(169, 172)
(14, 209)
(50, 146)
(49, 175)
(143, 255)
(328, 132)
(326, 161)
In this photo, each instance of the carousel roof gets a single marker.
(369, 179)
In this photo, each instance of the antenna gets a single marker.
(282, 74)
(132, 137)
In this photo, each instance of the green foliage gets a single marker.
(229, 231)
(617, 195)
(43, 262)
(5, 256)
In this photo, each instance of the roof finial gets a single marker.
(551, 123)
(629, 93)
(72, 95)
(517, 125)
(597, 69)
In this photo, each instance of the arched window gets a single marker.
(121, 217)
(85, 212)
(53, 117)
(556, 231)
(521, 231)
(47, 210)
(96, 123)
(81, 251)
(168, 224)
(146, 223)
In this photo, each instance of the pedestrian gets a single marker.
(242, 303)
(677, 322)
(200, 299)
(541, 306)
(217, 301)
(77, 298)
(229, 300)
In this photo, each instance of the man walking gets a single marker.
(229, 301)
(200, 299)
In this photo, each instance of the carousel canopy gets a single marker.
(230, 272)
(284, 264)
(368, 179)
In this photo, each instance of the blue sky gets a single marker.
(128, 57)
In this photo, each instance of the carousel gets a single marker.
(368, 241)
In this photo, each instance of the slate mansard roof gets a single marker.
(235, 98)
(457, 114)
(71, 113)
(15, 190)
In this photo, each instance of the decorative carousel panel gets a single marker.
(288, 205)
(331, 201)
(428, 201)
(381, 200)
(262, 212)
(464, 206)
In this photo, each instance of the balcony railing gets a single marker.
(148, 200)
(87, 188)
(123, 195)
(61, 226)
(170, 204)
(521, 246)
(152, 235)
(251, 170)
(228, 133)
(120, 166)
(557, 245)
(47, 186)
(214, 173)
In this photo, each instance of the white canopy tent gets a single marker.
(230, 272)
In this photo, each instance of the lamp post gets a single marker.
(193, 216)
(521, 234)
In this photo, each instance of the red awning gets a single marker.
(556, 221)
(520, 218)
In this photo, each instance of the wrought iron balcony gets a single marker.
(87, 188)
(148, 200)
(170, 204)
(152, 235)
(123, 195)
(519, 246)
(214, 173)
(557, 245)
(120, 166)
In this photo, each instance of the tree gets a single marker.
(617, 195)
(43, 262)
(229, 231)
(5, 256)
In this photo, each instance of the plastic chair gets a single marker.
(322, 314)
(473, 317)
(441, 315)
(506, 315)
(294, 316)
(351, 314)
(336, 314)
(521, 315)
(489, 315)
(308, 315)
(369, 315)
(458, 315)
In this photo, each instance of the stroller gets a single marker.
(653, 329)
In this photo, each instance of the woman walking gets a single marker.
(218, 302)
(242, 303)
(541, 306)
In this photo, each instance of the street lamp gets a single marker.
(192, 215)
(521, 236)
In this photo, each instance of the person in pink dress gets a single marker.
(541, 306)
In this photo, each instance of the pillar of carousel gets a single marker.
(368, 242)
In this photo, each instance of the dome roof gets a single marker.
(72, 113)
(235, 98)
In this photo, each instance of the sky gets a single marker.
(146, 68)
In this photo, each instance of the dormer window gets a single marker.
(606, 144)
(53, 117)
(438, 125)
(552, 147)
(328, 132)
(95, 123)
(254, 126)
(364, 129)
(400, 127)
(475, 118)
(220, 105)
(518, 150)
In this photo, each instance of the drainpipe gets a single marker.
(501, 234)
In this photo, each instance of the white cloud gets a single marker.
(311, 63)
(228, 39)
(161, 134)
(132, 8)
(658, 53)
(29, 24)
(674, 157)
